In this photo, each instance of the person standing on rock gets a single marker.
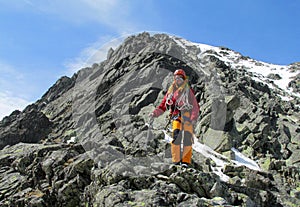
(184, 111)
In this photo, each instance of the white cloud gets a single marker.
(11, 96)
(9, 103)
(115, 14)
(112, 13)
(29, 2)
(95, 53)
(7, 71)
(12, 80)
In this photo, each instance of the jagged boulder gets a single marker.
(31, 126)
(59, 88)
(43, 175)
(219, 124)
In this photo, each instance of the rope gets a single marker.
(184, 98)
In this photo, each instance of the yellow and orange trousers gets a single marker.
(182, 135)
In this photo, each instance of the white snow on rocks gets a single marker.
(259, 70)
(220, 160)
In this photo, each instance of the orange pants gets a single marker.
(182, 132)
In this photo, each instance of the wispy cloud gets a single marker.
(7, 71)
(112, 13)
(29, 2)
(11, 80)
(95, 53)
(11, 97)
(9, 103)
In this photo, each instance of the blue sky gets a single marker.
(41, 40)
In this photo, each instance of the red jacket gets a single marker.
(173, 101)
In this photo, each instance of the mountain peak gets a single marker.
(92, 136)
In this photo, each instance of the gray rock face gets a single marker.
(31, 126)
(117, 161)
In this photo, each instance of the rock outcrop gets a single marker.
(30, 126)
(85, 142)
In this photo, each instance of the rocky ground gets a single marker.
(85, 142)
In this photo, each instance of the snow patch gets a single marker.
(241, 159)
(220, 160)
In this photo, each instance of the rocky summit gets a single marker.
(87, 141)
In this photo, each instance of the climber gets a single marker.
(184, 111)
